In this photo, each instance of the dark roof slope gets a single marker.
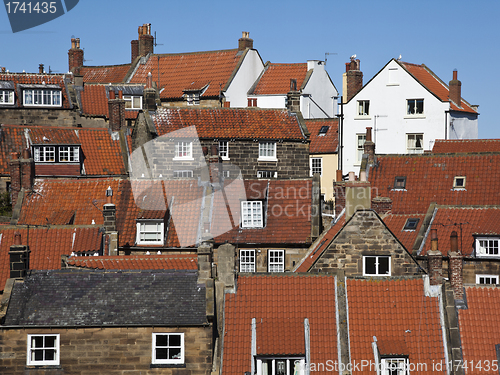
(95, 298)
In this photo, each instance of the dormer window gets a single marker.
(150, 232)
(41, 97)
(459, 183)
(281, 366)
(400, 183)
(251, 214)
(487, 247)
(56, 154)
(7, 97)
(193, 98)
(394, 366)
(69, 154)
(132, 102)
(323, 130)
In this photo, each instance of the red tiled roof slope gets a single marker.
(276, 78)
(230, 123)
(287, 216)
(432, 82)
(46, 245)
(323, 144)
(105, 74)
(38, 79)
(279, 302)
(185, 71)
(451, 146)
(101, 154)
(137, 262)
(466, 221)
(479, 329)
(429, 178)
(397, 312)
(95, 102)
(396, 224)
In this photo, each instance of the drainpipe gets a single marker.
(341, 133)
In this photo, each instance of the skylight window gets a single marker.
(323, 130)
(411, 224)
(400, 182)
(459, 182)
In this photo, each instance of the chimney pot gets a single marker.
(112, 94)
(368, 134)
(40, 69)
(339, 175)
(17, 238)
(454, 242)
(434, 240)
(455, 74)
(352, 176)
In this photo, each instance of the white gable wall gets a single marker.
(319, 96)
(270, 101)
(388, 93)
(249, 71)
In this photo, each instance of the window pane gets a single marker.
(370, 265)
(50, 341)
(37, 355)
(37, 342)
(161, 353)
(161, 340)
(50, 354)
(174, 340)
(383, 265)
(174, 353)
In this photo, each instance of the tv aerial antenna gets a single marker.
(328, 54)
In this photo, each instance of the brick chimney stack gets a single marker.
(40, 69)
(455, 266)
(75, 56)
(149, 95)
(455, 87)
(293, 97)
(352, 79)
(435, 261)
(369, 146)
(19, 258)
(110, 232)
(116, 107)
(245, 41)
(22, 174)
(146, 40)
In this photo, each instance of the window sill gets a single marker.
(42, 367)
(183, 159)
(167, 365)
(459, 189)
(267, 159)
(414, 116)
(358, 117)
(399, 190)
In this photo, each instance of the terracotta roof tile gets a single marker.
(46, 245)
(430, 178)
(102, 155)
(105, 74)
(185, 71)
(137, 262)
(396, 224)
(451, 146)
(279, 304)
(95, 102)
(276, 78)
(328, 142)
(479, 329)
(37, 79)
(432, 82)
(230, 123)
(467, 222)
(398, 311)
(287, 217)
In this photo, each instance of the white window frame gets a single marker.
(193, 98)
(363, 107)
(143, 230)
(377, 272)
(293, 365)
(487, 247)
(42, 98)
(183, 150)
(456, 186)
(72, 154)
(185, 173)
(313, 165)
(224, 150)
(411, 143)
(401, 366)
(173, 361)
(267, 151)
(267, 174)
(252, 214)
(31, 361)
(487, 279)
(131, 102)
(275, 260)
(360, 146)
(6, 97)
(247, 260)
(44, 154)
(412, 107)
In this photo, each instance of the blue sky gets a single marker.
(444, 35)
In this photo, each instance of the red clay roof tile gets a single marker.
(137, 262)
(328, 142)
(276, 78)
(105, 74)
(396, 224)
(451, 146)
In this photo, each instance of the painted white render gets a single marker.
(388, 93)
(319, 95)
(250, 69)
(270, 101)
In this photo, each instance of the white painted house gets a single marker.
(310, 81)
(407, 106)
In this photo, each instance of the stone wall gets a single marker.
(365, 234)
(48, 117)
(292, 257)
(94, 351)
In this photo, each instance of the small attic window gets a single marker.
(400, 182)
(411, 224)
(323, 130)
(459, 182)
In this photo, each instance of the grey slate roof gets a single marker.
(104, 298)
